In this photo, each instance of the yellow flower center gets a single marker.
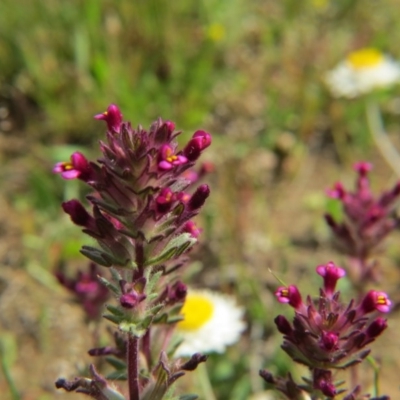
(365, 58)
(196, 311)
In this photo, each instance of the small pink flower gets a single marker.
(113, 118)
(78, 167)
(168, 159)
(165, 200)
(331, 274)
(375, 301)
(290, 295)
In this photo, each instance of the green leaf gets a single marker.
(112, 318)
(116, 362)
(115, 310)
(176, 245)
(113, 288)
(96, 255)
(117, 376)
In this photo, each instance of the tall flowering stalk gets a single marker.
(327, 335)
(368, 220)
(141, 215)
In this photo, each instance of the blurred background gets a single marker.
(248, 71)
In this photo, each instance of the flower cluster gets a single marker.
(367, 220)
(141, 214)
(363, 71)
(327, 334)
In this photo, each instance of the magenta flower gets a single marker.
(113, 118)
(78, 167)
(375, 301)
(289, 295)
(168, 160)
(165, 200)
(331, 274)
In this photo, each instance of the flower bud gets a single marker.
(283, 325)
(376, 327)
(196, 145)
(194, 361)
(77, 212)
(199, 197)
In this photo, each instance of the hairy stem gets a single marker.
(133, 367)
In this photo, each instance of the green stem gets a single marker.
(205, 383)
(375, 367)
(10, 382)
(382, 141)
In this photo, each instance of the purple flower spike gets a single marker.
(375, 301)
(78, 167)
(113, 118)
(167, 158)
(290, 295)
(331, 274)
(367, 220)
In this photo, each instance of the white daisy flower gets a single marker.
(211, 322)
(363, 71)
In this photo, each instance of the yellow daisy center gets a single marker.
(196, 311)
(365, 58)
